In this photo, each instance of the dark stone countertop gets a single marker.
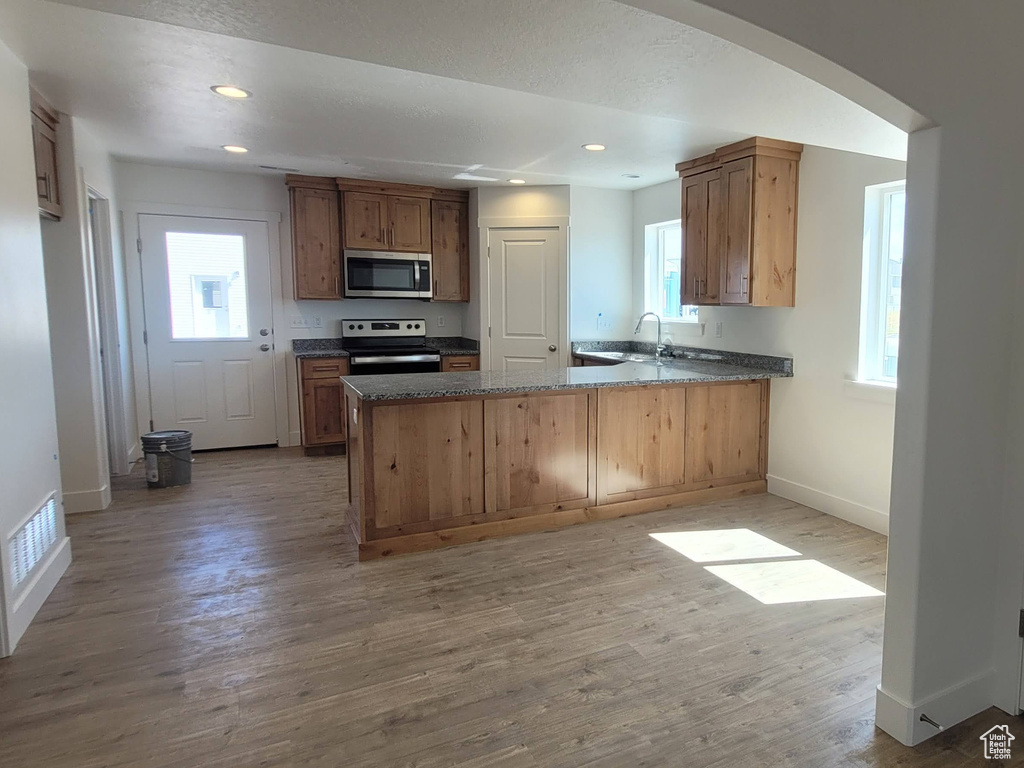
(447, 345)
(599, 351)
(427, 385)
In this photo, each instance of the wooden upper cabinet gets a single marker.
(409, 222)
(378, 222)
(737, 178)
(702, 235)
(366, 221)
(739, 220)
(315, 243)
(450, 250)
(44, 145)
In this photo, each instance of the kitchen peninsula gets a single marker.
(441, 459)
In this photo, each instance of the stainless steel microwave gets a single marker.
(388, 275)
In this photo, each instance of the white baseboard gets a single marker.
(295, 438)
(86, 501)
(872, 519)
(903, 722)
(134, 454)
(39, 587)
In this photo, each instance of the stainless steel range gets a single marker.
(388, 346)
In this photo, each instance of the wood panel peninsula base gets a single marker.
(442, 459)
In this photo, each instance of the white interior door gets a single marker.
(524, 284)
(206, 287)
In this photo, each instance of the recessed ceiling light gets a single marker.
(631, 176)
(594, 147)
(234, 148)
(517, 181)
(231, 91)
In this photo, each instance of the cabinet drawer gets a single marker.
(324, 367)
(460, 363)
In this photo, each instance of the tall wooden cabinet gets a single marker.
(739, 208)
(316, 243)
(450, 249)
(330, 215)
(44, 145)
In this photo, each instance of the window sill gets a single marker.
(873, 391)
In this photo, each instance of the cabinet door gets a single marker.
(738, 184)
(409, 220)
(315, 243)
(702, 235)
(449, 230)
(323, 412)
(724, 425)
(44, 141)
(366, 221)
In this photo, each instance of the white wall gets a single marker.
(29, 471)
(151, 188)
(71, 289)
(600, 263)
(956, 538)
(830, 444)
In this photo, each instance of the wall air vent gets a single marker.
(32, 541)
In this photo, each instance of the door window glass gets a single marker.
(206, 276)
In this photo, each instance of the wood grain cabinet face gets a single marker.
(323, 410)
(739, 208)
(428, 462)
(452, 363)
(409, 222)
(702, 237)
(539, 452)
(450, 250)
(724, 425)
(366, 221)
(315, 243)
(44, 146)
(641, 448)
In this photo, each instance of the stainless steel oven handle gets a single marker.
(395, 359)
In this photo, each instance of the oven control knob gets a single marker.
(351, 327)
(360, 326)
(417, 326)
(408, 325)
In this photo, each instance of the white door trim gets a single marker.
(484, 225)
(110, 342)
(136, 306)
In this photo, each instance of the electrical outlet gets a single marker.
(300, 322)
(440, 321)
(318, 321)
(718, 329)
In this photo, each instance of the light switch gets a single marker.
(300, 322)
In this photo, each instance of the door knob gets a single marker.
(264, 347)
(552, 347)
(264, 331)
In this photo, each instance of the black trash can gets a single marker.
(168, 458)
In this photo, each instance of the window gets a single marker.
(884, 208)
(206, 277)
(663, 253)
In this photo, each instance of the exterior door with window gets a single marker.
(525, 284)
(206, 287)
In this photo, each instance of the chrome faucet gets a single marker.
(659, 349)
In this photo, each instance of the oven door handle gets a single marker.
(395, 359)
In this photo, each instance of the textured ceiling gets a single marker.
(421, 90)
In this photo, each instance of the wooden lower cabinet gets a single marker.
(451, 363)
(430, 473)
(323, 412)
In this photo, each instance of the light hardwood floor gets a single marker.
(228, 623)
